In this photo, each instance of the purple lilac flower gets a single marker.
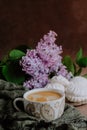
(39, 63)
(69, 75)
(49, 52)
(32, 64)
(63, 71)
(36, 82)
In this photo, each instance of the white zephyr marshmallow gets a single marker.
(58, 82)
(77, 90)
(61, 80)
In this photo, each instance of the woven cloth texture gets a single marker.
(10, 119)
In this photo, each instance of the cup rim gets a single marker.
(44, 89)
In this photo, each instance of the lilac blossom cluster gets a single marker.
(40, 62)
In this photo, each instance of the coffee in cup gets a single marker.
(43, 96)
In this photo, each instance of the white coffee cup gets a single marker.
(48, 110)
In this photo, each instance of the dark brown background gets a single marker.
(26, 21)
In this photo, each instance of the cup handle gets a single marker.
(15, 103)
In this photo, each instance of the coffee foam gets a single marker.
(43, 96)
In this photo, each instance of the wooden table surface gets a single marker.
(83, 109)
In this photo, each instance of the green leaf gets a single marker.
(82, 62)
(69, 64)
(79, 55)
(16, 54)
(12, 72)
